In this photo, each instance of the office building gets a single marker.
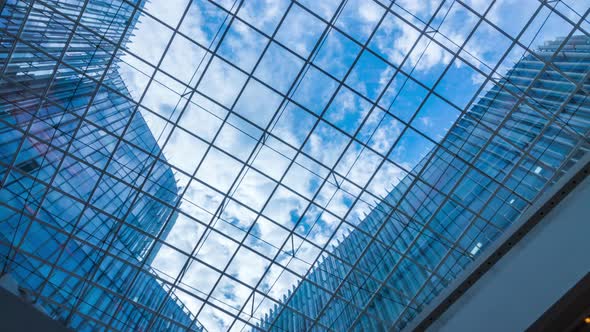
(58, 150)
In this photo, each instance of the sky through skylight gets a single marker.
(286, 122)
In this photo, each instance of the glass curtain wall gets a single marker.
(78, 206)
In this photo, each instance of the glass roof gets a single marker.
(309, 165)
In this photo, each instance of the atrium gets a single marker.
(294, 165)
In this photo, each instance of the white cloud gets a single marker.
(370, 11)
(222, 82)
(415, 7)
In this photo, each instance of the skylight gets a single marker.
(351, 151)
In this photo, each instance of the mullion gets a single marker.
(356, 139)
(39, 258)
(243, 170)
(443, 98)
(185, 253)
(543, 4)
(475, 68)
(464, 232)
(359, 195)
(399, 166)
(324, 110)
(336, 163)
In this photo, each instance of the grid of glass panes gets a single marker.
(285, 123)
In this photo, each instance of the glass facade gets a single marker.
(275, 164)
(63, 239)
(395, 277)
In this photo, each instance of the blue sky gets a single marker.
(288, 170)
